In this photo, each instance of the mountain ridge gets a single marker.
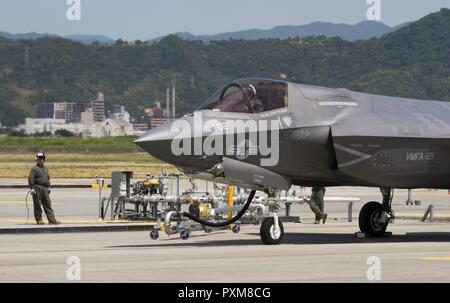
(360, 31)
(83, 38)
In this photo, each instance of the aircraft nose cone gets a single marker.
(161, 132)
(157, 142)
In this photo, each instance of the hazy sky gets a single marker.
(145, 19)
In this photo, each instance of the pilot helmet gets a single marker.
(251, 92)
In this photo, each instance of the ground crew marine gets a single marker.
(39, 182)
(316, 204)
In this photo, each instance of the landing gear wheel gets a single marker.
(154, 235)
(269, 234)
(369, 220)
(184, 235)
(236, 229)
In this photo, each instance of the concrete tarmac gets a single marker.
(417, 252)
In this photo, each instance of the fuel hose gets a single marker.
(224, 223)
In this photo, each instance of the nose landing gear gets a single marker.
(272, 230)
(375, 217)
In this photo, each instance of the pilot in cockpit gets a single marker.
(256, 105)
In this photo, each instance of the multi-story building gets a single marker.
(45, 110)
(151, 118)
(79, 108)
(63, 110)
(98, 108)
(87, 117)
(119, 113)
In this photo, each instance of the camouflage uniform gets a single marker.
(39, 180)
(316, 203)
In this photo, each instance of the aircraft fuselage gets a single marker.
(320, 136)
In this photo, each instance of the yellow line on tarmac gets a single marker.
(421, 215)
(12, 202)
(30, 201)
(53, 183)
(91, 222)
(436, 258)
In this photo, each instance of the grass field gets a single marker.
(74, 171)
(86, 157)
(75, 157)
(13, 144)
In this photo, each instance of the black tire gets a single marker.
(266, 232)
(184, 235)
(368, 217)
(154, 235)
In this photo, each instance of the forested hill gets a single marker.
(413, 61)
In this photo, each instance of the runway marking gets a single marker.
(436, 258)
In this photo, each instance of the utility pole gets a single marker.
(173, 100)
(168, 103)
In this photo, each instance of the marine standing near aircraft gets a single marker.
(39, 183)
(311, 136)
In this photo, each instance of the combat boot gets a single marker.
(324, 218)
(40, 222)
(56, 222)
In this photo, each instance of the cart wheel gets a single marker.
(154, 235)
(236, 228)
(185, 234)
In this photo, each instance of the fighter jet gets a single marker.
(268, 135)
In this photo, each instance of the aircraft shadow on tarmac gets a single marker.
(300, 238)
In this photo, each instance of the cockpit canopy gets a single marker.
(249, 96)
